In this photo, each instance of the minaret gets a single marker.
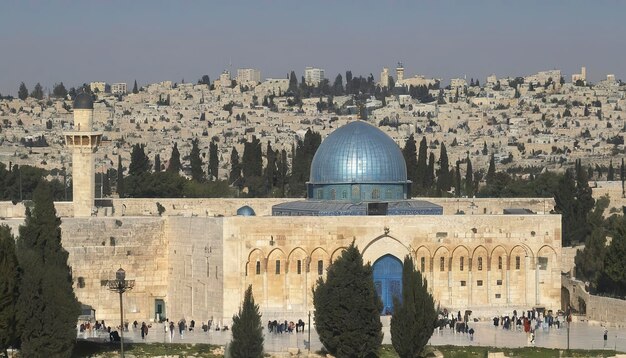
(399, 72)
(83, 143)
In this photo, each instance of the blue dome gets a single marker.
(358, 153)
(245, 211)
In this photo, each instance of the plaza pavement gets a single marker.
(582, 336)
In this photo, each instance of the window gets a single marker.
(479, 283)
(498, 295)
(278, 267)
(499, 262)
(299, 269)
(461, 261)
(480, 264)
(258, 267)
(543, 263)
(517, 262)
(499, 282)
(423, 264)
(344, 194)
(333, 193)
(388, 194)
(356, 192)
(319, 193)
(442, 264)
(81, 282)
(375, 194)
(208, 268)
(320, 267)
(463, 283)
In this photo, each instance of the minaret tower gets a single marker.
(399, 72)
(83, 143)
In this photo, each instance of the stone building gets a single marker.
(196, 258)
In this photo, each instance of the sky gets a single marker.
(77, 42)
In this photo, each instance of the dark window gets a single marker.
(461, 259)
(517, 262)
(479, 283)
(498, 295)
(375, 194)
(499, 262)
(81, 282)
(463, 283)
(442, 264)
(344, 194)
(258, 267)
(333, 193)
(480, 264)
(299, 267)
(499, 282)
(320, 267)
(543, 263)
(278, 267)
(423, 264)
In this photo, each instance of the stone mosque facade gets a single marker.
(196, 259)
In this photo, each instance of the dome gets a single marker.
(358, 153)
(83, 101)
(245, 211)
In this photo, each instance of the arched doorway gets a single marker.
(388, 281)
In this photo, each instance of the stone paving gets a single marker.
(582, 336)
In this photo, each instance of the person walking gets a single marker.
(171, 331)
(144, 330)
(606, 336)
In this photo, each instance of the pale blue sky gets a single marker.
(119, 41)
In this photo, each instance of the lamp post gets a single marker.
(121, 285)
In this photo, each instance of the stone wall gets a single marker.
(266, 253)
(596, 309)
(567, 259)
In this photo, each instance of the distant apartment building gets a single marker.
(119, 88)
(224, 81)
(98, 87)
(313, 76)
(582, 76)
(248, 75)
(459, 83)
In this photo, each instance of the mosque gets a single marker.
(195, 259)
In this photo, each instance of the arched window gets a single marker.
(461, 262)
(344, 194)
(375, 194)
(333, 193)
(319, 193)
(258, 267)
(356, 192)
(423, 264)
(480, 264)
(499, 262)
(442, 264)
(388, 194)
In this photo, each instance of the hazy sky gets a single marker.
(119, 41)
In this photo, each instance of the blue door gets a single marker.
(388, 281)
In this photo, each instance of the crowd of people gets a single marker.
(285, 327)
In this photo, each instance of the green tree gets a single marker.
(293, 83)
(120, 178)
(469, 179)
(270, 168)
(590, 260)
(282, 171)
(47, 309)
(195, 161)
(409, 152)
(214, 161)
(430, 172)
(174, 165)
(491, 172)
(301, 162)
(611, 174)
(37, 92)
(414, 317)
(565, 204)
(457, 180)
(444, 179)
(247, 341)
(106, 184)
(59, 90)
(135, 89)
(22, 92)
(139, 161)
(9, 289)
(422, 168)
(347, 308)
(235, 167)
(338, 86)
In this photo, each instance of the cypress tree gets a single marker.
(430, 172)
(347, 308)
(409, 152)
(469, 179)
(611, 174)
(197, 173)
(106, 184)
(120, 177)
(457, 180)
(139, 161)
(174, 165)
(270, 168)
(135, 89)
(444, 178)
(22, 92)
(47, 309)
(414, 318)
(422, 167)
(621, 176)
(9, 290)
(247, 330)
(37, 92)
(282, 168)
(293, 83)
(214, 161)
(157, 163)
(491, 172)
(235, 167)
(565, 204)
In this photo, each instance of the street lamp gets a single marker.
(121, 285)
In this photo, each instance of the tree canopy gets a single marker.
(247, 330)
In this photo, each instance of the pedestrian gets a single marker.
(471, 334)
(144, 330)
(171, 331)
(606, 336)
(181, 328)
